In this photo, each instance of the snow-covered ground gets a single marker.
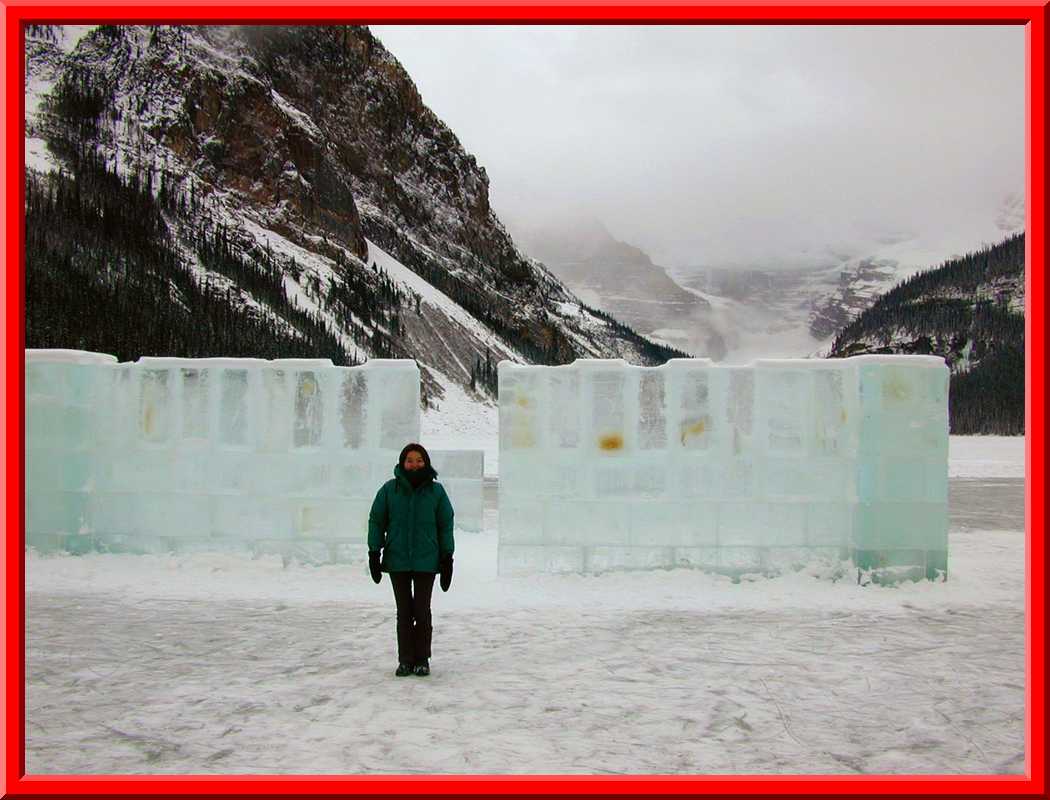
(221, 663)
(986, 456)
(457, 423)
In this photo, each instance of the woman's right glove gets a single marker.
(446, 571)
(373, 565)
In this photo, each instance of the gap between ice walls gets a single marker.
(167, 454)
(739, 470)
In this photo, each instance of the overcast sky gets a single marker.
(736, 145)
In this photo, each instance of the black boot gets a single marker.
(403, 670)
(422, 668)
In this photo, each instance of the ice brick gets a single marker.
(155, 400)
(782, 396)
(353, 409)
(196, 404)
(652, 410)
(607, 413)
(564, 398)
(603, 558)
(397, 391)
(174, 453)
(695, 419)
(740, 410)
(520, 400)
(309, 410)
(458, 463)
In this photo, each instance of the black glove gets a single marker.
(373, 565)
(446, 571)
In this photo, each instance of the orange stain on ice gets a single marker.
(611, 441)
(695, 429)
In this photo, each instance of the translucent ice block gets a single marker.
(397, 396)
(695, 418)
(734, 468)
(740, 409)
(783, 403)
(233, 407)
(652, 410)
(458, 463)
(353, 409)
(564, 389)
(155, 401)
(462, 473)
(196, 403)
(520, 390)
(900, 524)
(66, 399)
(277, 409)
(217, 452)
(607, 414)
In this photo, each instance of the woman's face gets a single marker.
(414, 460)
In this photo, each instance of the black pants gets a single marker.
(414, 628)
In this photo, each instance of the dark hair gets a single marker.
(409, 448)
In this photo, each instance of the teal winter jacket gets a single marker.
(413, 527)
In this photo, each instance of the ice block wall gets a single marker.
(462, 473)
(173, 454)
(66, 392)
(735, 469)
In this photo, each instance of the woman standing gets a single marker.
(411, 523)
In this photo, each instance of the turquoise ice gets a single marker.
(743, 469)
(167, 454)
(752, 469)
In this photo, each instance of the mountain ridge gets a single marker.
(286, 150)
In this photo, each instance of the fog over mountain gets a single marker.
(758, 147)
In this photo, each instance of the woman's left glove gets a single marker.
(446, 571)
(373, 565)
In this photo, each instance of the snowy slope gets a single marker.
(438, 300)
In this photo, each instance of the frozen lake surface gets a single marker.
(225, 664)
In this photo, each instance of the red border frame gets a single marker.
(12, 333)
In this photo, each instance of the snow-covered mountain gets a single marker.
(293, 191)
(735, 315)
(790, 313)
(728, 315)
(785, 312)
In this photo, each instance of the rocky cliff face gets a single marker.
(312, 152)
